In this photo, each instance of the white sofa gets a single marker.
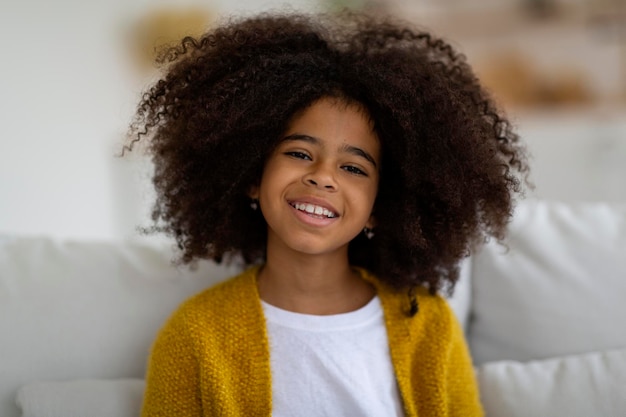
(545, 317)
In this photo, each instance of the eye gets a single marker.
(298, 155)
(354, 170)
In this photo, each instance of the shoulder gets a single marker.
(225, 301)
(234, 290)
(434, 316)
(430, 305)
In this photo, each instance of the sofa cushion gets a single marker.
(85, 309)
(592, 384)
(556, 289)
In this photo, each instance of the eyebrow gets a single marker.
(345, 148)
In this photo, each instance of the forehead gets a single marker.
(336, 120)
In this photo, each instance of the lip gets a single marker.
(311, 220)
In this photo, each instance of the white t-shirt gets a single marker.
(336, 365)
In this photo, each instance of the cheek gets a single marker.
(273, 184)
(373, 193)
(267, 178)
(272, 168)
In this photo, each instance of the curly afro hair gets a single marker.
(451, 164)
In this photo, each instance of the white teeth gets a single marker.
(312, 209)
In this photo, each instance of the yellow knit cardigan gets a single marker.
(212, 356)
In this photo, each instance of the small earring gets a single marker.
(254, 204)
(369, 233)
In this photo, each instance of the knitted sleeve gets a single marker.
(172, 380)
(462, 388)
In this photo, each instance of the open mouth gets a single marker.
(314, 209)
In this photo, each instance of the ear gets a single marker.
(371, 222)
(253, 192)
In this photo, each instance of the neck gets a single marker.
(320, 284)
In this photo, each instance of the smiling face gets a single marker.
(318, 186)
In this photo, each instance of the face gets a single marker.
(318, 187)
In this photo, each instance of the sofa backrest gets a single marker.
(557, 288)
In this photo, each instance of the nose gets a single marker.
(321, 177)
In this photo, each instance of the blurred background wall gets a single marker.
(72, 72)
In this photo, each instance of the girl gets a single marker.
(351, 163)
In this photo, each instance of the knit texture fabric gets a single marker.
(212, 356)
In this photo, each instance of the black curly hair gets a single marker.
(451, 164)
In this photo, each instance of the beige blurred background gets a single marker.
(72, 72)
